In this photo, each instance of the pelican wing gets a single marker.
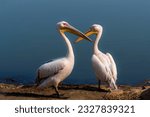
(101, 70)
(50, 69)
(112, 66)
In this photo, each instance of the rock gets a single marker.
(147, 82)
(145, 95)
(80, 92)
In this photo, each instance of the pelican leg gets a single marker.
(57, 92)
(99, 83)
(60, 84)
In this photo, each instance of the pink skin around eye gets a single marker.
(65, 24)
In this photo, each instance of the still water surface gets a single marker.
(28, 37)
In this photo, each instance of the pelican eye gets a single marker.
(65, 24)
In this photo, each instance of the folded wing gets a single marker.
(50, 69)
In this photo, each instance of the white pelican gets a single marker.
(54, 72)
(103, 64)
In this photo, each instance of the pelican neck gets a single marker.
(95, 47)
(70, 53)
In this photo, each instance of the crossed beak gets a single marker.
(75, 31)
(88, 33)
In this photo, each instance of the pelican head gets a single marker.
(94, 29)
(66, 27)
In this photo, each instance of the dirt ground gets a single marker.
(73, 92)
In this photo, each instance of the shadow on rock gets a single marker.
(85, 88)
(18, 94)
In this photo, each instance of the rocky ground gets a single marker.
(74, 92)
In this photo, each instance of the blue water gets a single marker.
(28, 37)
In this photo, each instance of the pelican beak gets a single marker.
(75, 31)
(88, 33)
